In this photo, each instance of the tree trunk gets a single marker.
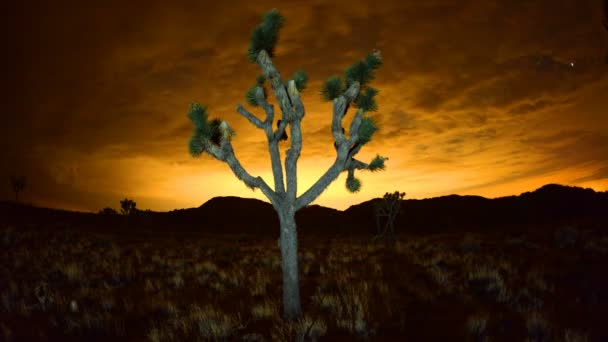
(292, 309)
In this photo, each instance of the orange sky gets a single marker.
(476, 97)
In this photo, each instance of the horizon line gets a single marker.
(266, 200)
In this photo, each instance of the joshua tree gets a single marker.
(214, 137)
(18, 183)
(389, 206)
(127, 206)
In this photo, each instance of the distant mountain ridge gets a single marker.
(550, 204)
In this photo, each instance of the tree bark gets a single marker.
(292, 309)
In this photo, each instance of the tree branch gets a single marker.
(340, 104)
(273, 149)
(294, 96)
(273, 76)
(339, 164)
(215, 151)
(273, 143)
(293, 154)
(254, 120)
(355, 164)
(226, 153)
(329, 176)
(320, 185)
(279, 132)
(354, 128)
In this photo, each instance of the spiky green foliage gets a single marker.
(366, 101)
(300, 78)
(260, 80)
(266, 35)
(332, 88)
(358, 71)
(195, 145)
(202, 130)
(366, 130)
(362, 71)
(353, 184)
(377, 164)
(198, 115)
(250, 96)
(212, 134)
(373, 61)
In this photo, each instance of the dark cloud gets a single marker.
(476, 119)
(429, 99)
(599, 174)
(570, 147)
(527, 107)
(525, 80)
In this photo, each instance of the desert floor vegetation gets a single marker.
(61, 284)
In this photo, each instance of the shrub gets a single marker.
(488, 282)
(477, 327)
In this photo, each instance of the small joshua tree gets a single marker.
(389, 206)
(127, 206)
(214, 137)
(18, 184)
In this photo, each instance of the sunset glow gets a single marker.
(475, 98)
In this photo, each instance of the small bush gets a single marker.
(213, 324)
(305, 329)
(477, 327)
(264, 310)
(487, 282)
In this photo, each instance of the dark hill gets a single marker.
(227, 215)
(551, 205)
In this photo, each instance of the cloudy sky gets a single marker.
(490, 98)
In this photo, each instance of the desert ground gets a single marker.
(65, 284)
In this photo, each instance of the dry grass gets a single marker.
(91, 287)
(476, 326)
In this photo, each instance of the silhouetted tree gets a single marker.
(18, 183)
(127, 206)
(108, 211)
(389, 206)
(283, 198)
